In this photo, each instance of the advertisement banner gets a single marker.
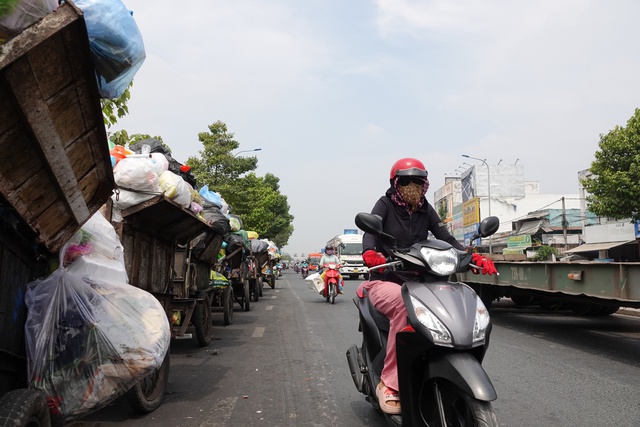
(471, 212)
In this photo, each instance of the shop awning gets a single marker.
(589, 247)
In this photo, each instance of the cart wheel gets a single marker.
(253, 285)
(24, 407)
(272, 280)
(202, 320)
(146, 396)
(227, 305)
(260, 286)
(247, 295)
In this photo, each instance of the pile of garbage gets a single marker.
(89, 335)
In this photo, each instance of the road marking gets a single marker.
(221, 413)
(274, 297)
(258, 332)
(269, 307)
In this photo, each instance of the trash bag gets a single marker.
(88, 342)
(116, 43)
(16, 15)
(259, 246)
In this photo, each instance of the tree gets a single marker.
(614, 188)
(114, 109)
(217, 166)
(256, 199)
(262, 208)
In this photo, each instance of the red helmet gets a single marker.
(408, 167)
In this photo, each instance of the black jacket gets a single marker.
(408, 228)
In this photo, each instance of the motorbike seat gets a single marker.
(380, 321)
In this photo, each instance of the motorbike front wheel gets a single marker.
(332, 292)
(445, 404)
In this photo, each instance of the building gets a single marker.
(501, 190)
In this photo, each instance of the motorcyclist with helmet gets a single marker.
(329, 256)
(409, 217)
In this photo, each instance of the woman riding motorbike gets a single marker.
(330, 257)
(408, 216)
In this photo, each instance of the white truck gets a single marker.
(349, 249)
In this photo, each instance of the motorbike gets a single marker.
(331, 281)
(304, 271)
(439, 354)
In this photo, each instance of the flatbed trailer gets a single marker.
(583, 287)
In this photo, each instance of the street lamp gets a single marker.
(488, 192)
(247, 151)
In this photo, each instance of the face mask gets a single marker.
(329, 252)
(411, 193)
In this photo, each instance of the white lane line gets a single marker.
(258, 332)
(269, 307)
(274, 297)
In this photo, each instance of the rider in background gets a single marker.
(330, 257)
(408, 216)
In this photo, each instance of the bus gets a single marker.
(314, 259)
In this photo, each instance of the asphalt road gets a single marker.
(283, 364)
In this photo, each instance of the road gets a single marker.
(283, 364)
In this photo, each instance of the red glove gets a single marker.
(373, 258)
(485, 263)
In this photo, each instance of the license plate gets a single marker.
(355, 270)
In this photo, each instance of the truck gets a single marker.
(349, 250)
(589, 288)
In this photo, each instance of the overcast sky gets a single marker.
(335, 91)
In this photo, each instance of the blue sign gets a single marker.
(350, 231)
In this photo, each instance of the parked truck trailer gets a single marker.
(583, 287)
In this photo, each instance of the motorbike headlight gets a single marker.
(482, 321)
(439, 332)
(443, 263)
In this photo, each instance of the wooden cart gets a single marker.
(234, 265)
(161, 240)
(267, 266)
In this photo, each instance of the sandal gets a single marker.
(388, 399)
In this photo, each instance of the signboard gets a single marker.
(469, 231)
(350, 231)
(471, 212)
(610, 232)
(519, 241)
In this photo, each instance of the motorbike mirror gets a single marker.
(487, 227)
(369, 223)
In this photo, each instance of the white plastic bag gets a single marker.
(136, 172)
(315, 283)
(96, 251)
(89, 342)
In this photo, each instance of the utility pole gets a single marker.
(564, 224)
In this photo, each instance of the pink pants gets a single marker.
(387, 299)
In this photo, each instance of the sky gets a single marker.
(333, 92)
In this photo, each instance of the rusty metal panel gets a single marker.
(608, 280)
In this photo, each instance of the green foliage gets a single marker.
(442, 210)
(217, 166)
(256, 199)
(544, 253)
(614, 190)
(114, 109)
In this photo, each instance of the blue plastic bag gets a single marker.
(210, 196)
(116, 44)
